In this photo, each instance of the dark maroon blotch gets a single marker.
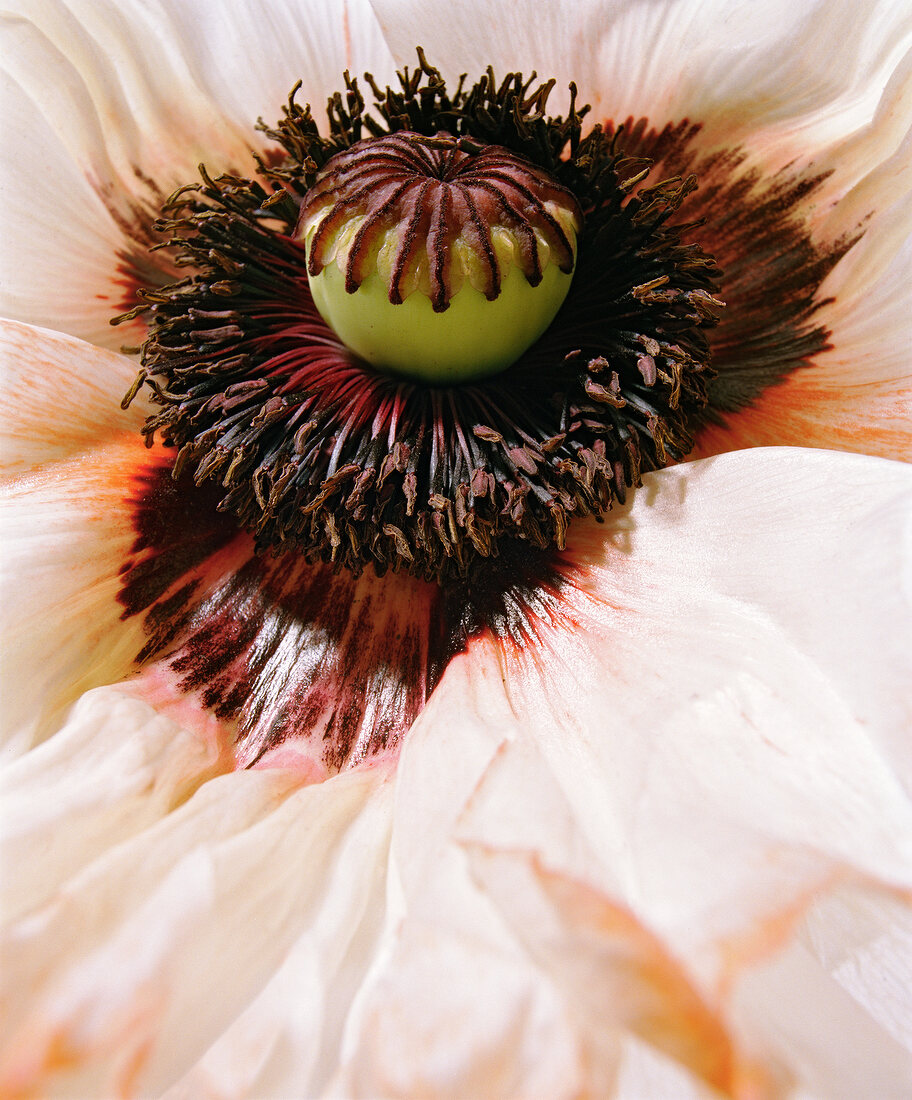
(756, 228)
(287, 650)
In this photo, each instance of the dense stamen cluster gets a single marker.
(316, 450)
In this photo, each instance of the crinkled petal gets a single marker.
(114, 105)
(115, 768)
(703, 748)
(786, 68)
(119, 982)
(616, 972)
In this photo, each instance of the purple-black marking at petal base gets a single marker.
(756, 227)
(287, 652)
(282, 648)
(511, 596)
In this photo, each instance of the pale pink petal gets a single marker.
(115, 105)
(114, 768)
(808, 73)
(784, 999)
(66, 534)
(59, 397)
(120, 982)
(703, 740)
(108, 122)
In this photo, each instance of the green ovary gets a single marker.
(471, 339)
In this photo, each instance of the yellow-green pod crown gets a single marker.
(436, 257)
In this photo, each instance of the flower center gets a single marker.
(435, 257)
(509, 400)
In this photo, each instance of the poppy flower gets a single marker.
(615, 806)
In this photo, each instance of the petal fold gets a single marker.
(122, 980)
(701, 752)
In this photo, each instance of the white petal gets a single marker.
(456, 1015)
(63, 262)
(871, 167)
(857, 396)
(706, 742)
(60, 396)
(67, 532)
(782, 1003)
(121, 982)
(784, 67)
(686, 792)
(115, 768)
(867, 954)
(103, 108)
(115, 105)
(118, 91)
(248, 54)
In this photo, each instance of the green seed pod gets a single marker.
(435, 258)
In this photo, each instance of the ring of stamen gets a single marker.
(315, 450)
